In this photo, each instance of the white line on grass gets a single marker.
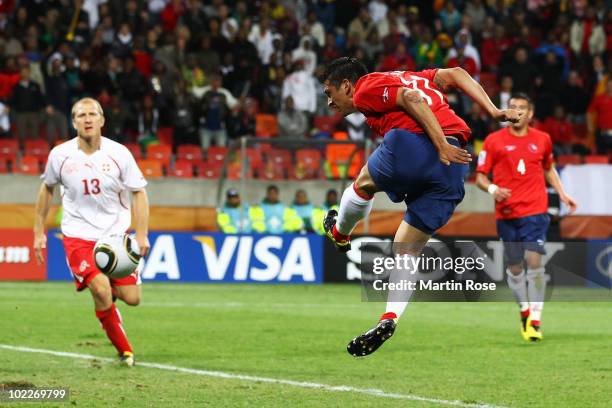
(220, 374)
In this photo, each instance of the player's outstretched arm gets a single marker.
(414, 104)
(41, 210)
(141, 220)
(459, 78)
(552, 176)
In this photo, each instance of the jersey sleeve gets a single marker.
(52, 176)
(132, 176)
(429, 74)
(485, 160)
(548, 152)
(377, 95)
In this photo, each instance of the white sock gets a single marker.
(536, 288)
(352, 209)
(518, 284)
(397, 300)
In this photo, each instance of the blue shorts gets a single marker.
(407, 167)
(520, 234)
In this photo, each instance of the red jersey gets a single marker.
(376, 97)
(602, 105)
(518, 164)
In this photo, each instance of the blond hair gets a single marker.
(84, 100)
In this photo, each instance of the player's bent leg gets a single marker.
(355, 204)
(110, 318)
(130, 294)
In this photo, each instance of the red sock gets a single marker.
(338, 236)
(111, 323)
(388, 315)
(525, 313)
(535, 323)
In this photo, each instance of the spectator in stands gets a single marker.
(384, 27)
(276, 216)
(187, 118)
(244, 123)
(359, 29)
(292, 123)
(229, 25)
(599, 119)
(26, 104)
(302, 86)
(477, 12)
(463, 39)
(427, 51)
(148, 119)
(399, 60)
(58, 97)
(5, 122)
(549, 91)
(560, 130)
(476, 123)
(494, 47)
(304, 209)
(317, 31)
(207, 58)
(587, 36)
(305, 53)
(115, 118)
(523, 73)
(216, 104)
(450, 17)
(261, 36)
(133, 86)
(235, 217)
(574, 98)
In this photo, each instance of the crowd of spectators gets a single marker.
(207, 68)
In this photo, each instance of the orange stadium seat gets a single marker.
(151, 168)
(596, 159)
(565, 159)
(9, 149)
(189, 152)
(134, 148)
(29, 165)
(338, 160)
(37, 148)
(266, 125)
(160, 152)
(182, 168)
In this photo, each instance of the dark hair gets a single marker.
(272, 187)
(344, 68)
(524, 96)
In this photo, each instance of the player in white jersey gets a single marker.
(95, 175)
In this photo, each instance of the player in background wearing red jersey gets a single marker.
(95, 174)
(521, 160)
(421, 161)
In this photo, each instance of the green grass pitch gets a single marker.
(457, 353)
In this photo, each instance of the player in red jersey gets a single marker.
(521, 159)
(421, 161)
(96, 175)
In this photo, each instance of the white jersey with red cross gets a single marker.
(94, 187)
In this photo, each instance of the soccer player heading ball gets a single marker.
(521, 158)
(421, 160)
(95, 174)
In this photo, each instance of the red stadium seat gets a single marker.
(566, 159)
(29, 165)
(208, 170)
(596, 159)
(165, 135)
(327, 123)
(182, 168)
(189, 152)
(255, 157)
(310, 158)
(162, 153)
(134, 148)
(38, 148)
(151, 168)
(4, 168)
(266, 125)
(280, 157)
(9, 149)
(272, 171)
(216, 154)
